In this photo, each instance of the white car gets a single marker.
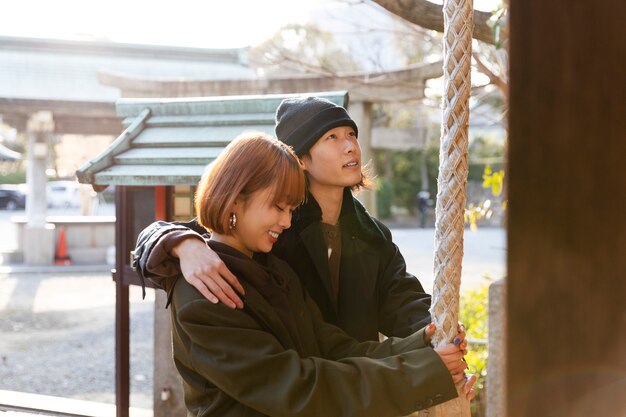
(63, 194)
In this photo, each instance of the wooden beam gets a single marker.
(566, 352)
(429, 15)
(70, 117)
(400, 85)
(77, 125)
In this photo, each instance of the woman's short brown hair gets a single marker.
(251, 162)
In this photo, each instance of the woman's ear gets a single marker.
(306, 162)
(238, 203)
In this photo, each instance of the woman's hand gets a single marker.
(204, 269)
(452, 357)
(458, 340)
(468, 387)
(429, 332)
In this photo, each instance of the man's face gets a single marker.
(334, 160)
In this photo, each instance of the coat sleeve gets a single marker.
(151, 257)
(403, 303)
(229, 349)
(335, 343)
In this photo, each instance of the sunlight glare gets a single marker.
(193, 23)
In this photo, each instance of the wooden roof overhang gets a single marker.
(385, 86)
(70, 116)
(171, 141)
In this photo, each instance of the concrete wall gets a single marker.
(90, 240)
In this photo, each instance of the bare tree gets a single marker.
(297, 49)
(488, 27)
(430, 16)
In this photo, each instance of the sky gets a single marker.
(192, 23)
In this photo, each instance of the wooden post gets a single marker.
(122, 310)
(566, 353)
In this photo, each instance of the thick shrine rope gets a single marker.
(452, 183)
(453, 168)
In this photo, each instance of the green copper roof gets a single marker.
(170, 141)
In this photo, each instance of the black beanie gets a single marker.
(301, 121)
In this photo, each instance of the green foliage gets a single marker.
(493, 180)
(484, 152)
(475, 212)
(406, 178)
(403, 174)
(384, 195)
(473, 314)
(12, 176)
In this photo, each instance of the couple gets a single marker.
(266, 348)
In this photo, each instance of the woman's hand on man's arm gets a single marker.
(204, 269)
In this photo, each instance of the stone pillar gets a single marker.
(496, 365)
(38, 244)
(422, 124)
(168, 400)
(361, 113)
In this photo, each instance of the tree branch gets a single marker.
(495, 79)
(430, 16)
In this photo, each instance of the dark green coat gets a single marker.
(376, 294)
(245, 363)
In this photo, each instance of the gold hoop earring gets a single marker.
(232, 221)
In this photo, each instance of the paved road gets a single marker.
(58, 336)
(485, 251)
(58, 328)
(484, 255)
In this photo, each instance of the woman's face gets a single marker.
(260, 222)
(334, 160)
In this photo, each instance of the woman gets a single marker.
(345, 258)
(277, 356)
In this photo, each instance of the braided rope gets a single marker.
(453, 169)
(452, 182)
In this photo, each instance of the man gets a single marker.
(345, 258)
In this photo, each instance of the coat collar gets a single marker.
(268, 297)
(354, 218)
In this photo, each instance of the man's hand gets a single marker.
(204, 269)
